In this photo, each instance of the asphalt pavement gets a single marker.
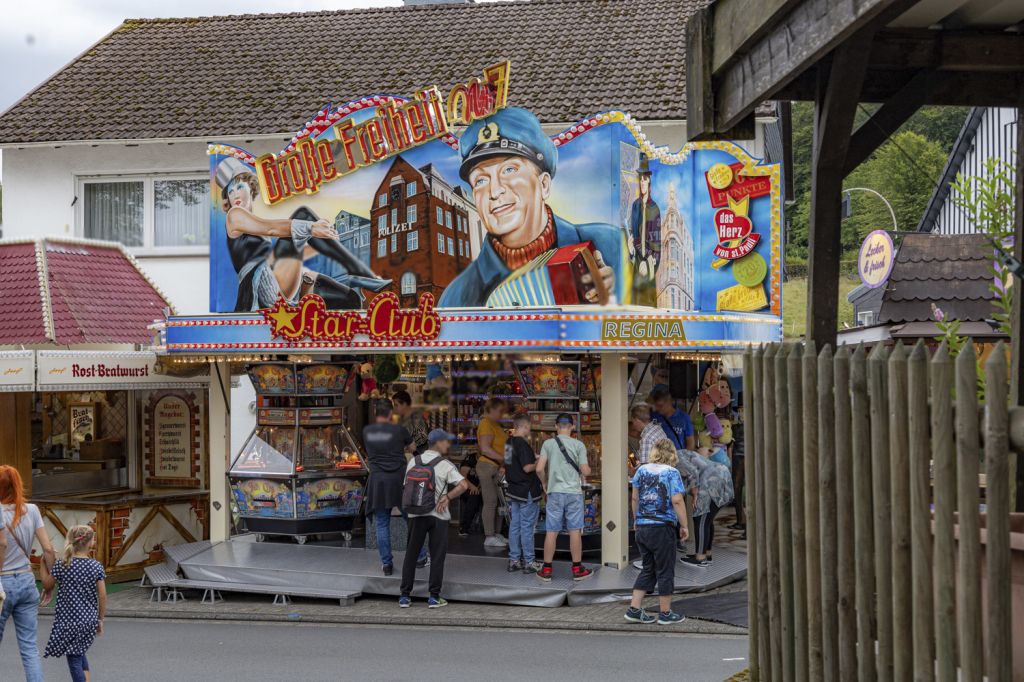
(154, 651)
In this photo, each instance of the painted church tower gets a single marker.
(675, 273)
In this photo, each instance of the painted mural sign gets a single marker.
(380, 196)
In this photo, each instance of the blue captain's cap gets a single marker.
(508, 132)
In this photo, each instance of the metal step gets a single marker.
(212, 589)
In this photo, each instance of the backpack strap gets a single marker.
(568, 459)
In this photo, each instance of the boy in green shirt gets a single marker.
(562, 467)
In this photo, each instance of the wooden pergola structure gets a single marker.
(903, 54)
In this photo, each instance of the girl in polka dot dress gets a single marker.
(81, 602)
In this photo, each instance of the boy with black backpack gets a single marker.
(431, 483)
(561, 468)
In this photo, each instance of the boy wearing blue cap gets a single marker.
(448, 484)
(561, 467)
(509, 163)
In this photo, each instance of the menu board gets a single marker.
(172, 439)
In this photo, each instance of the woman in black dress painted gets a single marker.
(267, 269)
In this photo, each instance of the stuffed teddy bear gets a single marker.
(367, 383)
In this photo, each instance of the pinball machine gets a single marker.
(300, 473)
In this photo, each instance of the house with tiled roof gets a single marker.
(113, 146)
(945, 276)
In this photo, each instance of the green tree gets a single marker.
(905, 170)
(909, 192)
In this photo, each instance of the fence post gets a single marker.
(785, 536)
(882, 503)
(755, 503)
(944, 466)
(997, 522)
(845, 554)
(753, 559)
(863, 516)
(827, 514)
(812, 523)
(771, 512)
(796, 479)
(968, 454)
(899, 451)
(921, 514)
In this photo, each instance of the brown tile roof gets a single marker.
(269, 73)
(950, 271)
(74, 291)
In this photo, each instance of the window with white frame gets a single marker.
(409, 283)
(410, 189)
(394, 217)
(382, 247)
(394, 243)
(166, 212)
(866, 318)
(382, 222)
(440, 216)
(448, 220)
(410, 213)
(412, 241)
(382, 200)
(451, 246)
(440, 243)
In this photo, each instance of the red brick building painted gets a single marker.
(423, 231)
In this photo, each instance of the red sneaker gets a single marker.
(581, 572)
(545, 573)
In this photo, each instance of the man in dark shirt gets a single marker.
(387, 446)
(524, 492)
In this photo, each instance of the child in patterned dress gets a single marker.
(81, 602)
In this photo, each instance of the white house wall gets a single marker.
(996, 137)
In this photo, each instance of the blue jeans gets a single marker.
(522, 523)
(382, 524)
(79, 666)
(23, 604)
(564, 511)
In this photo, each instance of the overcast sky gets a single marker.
(36, 40)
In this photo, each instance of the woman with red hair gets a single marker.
(22, 525)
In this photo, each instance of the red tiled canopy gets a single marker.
(72, 292)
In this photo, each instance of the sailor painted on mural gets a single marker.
(645, 233)
(509, 163)
(267, 270)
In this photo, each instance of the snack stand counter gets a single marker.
(300, 472)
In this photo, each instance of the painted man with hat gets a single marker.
(509, 163)
(645, 232)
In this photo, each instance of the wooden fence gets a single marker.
(857, 467)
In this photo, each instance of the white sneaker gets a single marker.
(501, 537)
(638, 565)
(494, 541)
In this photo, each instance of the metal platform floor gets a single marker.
(467, 578)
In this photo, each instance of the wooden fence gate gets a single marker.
(860, 566)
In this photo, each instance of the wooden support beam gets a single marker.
(887, 120)
(796, 41)
(741, 23)
(700, 101)
(1017, 314)
(983, 89)
(839, 89)
(972, 50)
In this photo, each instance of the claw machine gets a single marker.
(300, 473)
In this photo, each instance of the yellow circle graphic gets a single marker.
(720, 176)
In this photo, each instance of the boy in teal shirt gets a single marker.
(562, 467)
